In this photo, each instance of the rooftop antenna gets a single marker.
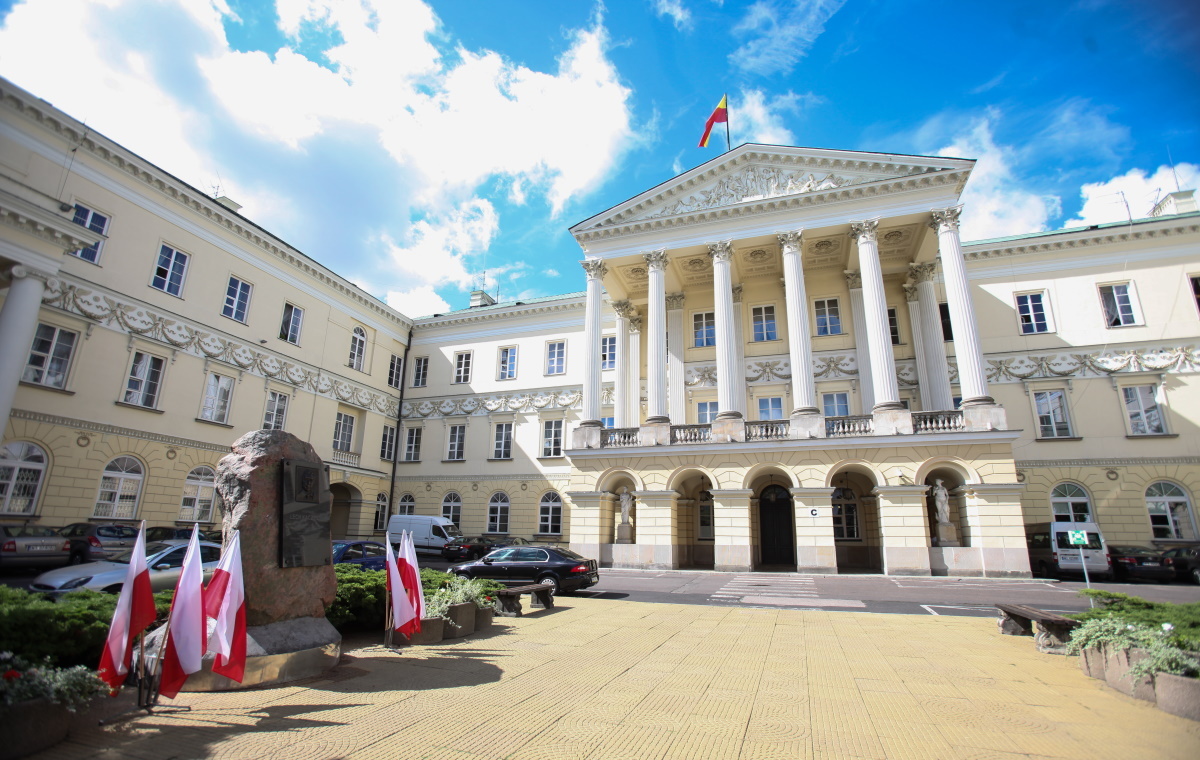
(1171, 161)
(1128, 213)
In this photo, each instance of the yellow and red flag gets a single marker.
(719, 115)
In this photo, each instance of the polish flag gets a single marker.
(225, 602)
(401, 609)
(187, 631)
(135, 611)
(410, 573)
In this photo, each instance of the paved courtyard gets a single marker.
(607, 680)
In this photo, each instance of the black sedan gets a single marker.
(560, 569)
(368, 555)
(1184, 561)
(1129, 562)
(474, 547)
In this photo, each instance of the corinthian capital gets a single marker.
(854, 279)
(790, 241)
(595, 269)
(624, 309)
(910, 292)
(722, 251)
(944, 219)
(864, 230)
(674, 301)
(656, 260)
(922, 272)
(737, 293)
(635, 324)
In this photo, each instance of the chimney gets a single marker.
(1178, 202)
(229, 204)
(481, 298)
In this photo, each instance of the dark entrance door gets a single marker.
(776, 526)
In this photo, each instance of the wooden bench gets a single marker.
(1052, 630)
(510, 599)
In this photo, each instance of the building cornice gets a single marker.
(31, 219)
(1141, 230)
(569, 302)
(530, 401)
(99, 427)
(1030, 464)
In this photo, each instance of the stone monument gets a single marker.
(945, 532)
(625, 530)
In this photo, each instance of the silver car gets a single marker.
(164, 558)
(32, 546)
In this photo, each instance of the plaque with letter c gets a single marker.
(812, 512)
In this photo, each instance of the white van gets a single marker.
(1051, 551)
(430, 533)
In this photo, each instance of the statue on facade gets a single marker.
(626, 505)
(941, 502)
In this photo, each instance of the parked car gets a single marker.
(169, 532)
(1184, 562)
(369, 555)
(1051, 552)
(430, 532)
(32, 546)
(474, 547)
(1129, 562)
(97, 541)
(553, 566)
(164, 558)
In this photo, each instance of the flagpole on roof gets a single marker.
(728, 144)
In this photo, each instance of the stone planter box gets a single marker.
(1116, 674)
(484, 617)
(1177, 695)
(32, 727)
(430, 633)
(461, 620)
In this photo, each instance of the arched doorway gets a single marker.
(777, 526)
(345, 498)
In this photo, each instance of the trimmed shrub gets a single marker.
(1184, 619)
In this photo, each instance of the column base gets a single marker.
(591, 423)
(657, 419)
(978, 401)
(732, 414)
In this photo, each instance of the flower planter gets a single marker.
(1177, 695)
(430, 633)
(32, 727)
(1116, 673)
(1091, 661)
(461, 620)
(483, 617)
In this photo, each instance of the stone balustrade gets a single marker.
(841, 427)
(691, 433)
(768, 430)
(617, 437)
(938, 422)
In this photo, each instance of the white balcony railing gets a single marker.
(618, 437)
(691, 433)
(768, 430)
(839, 427)
(938, 422)
(348, 458)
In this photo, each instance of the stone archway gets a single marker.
(776, 527)
(345, 498)
(856, 528)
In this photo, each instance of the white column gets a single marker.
(656, 342)
(727, 406)
(804, 387)
(862, 357)
(918, 341)
(621, 378)
(633, 408)
(938, 370)
(740, 397)
(676, 400)
(591, 340)
(879, 344)
(18, 324)
(967, 350)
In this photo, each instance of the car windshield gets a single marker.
(28, 531)
(1140, 551)
(338, 545)
(452, 531)
(123, 557)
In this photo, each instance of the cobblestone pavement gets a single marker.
(597, 679)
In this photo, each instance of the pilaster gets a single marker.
(993, 512)
(904, 528)
(732, 551)
(658, 544)
(592, 524)
(815, 548)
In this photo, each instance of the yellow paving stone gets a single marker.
(972, 736)
(776, 751)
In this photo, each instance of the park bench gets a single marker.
(1052, 630)
(510, 598)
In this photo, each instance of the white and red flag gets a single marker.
(410, 573)
(401, 612)
(135, 611)
(225, 602)
(187, 631)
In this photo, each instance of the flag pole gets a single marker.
(387, 602)
(728, 144)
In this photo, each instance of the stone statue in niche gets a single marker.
(625, 529)
(941, 502)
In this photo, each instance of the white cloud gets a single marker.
(1106, 201)
(680, 16)
(776, 34)
(438, 248)
(758, 119)
(1078, 127)
(420, 301)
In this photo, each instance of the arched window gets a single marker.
(21, 468)
(498, 513)
(119, 489)
(408, 505)
(845, 513)
(452, 507)
(1070, 503)
(550, 514)
(199, 493)
(358, 348)
(1170, 511)
(381, 511)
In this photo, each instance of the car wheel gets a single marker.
(1196, 575)
(464, 576)
(550, 581)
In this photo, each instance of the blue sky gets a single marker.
(423, 148)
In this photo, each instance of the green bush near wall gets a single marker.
(1184, 619)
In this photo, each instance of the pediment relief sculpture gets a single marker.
(756, 183)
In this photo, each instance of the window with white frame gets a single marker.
(452, 507)
(503, 447)
(704, 328)
(770, 408)
(120, 486)
(845, 514)
(1033, 311)
(407, 505)
(608, 352)
(552, 438)
(608, 423)
(237, 299)
(289, 328)
(381, 511)
(199, 494)
(50, 356)
(420, 371)
(1070, 503)
(412, 444)
(1142, 409)
(145, 377)
(829, 316)
(1120, 305)
(763, 318)
(498, 513)
(22, 466)
(706, 412)
(947, 323)
(85, 217)
(395, 371)
(556, 357)
(462, 367)
(276, 414)
(1053, 420)
(218, 390)
(343, 432)
(894, 326)
(170, 270)
(836, 404)
(387, 445)
(550, 514)
(507, 366)
(1170, 512)
(358, 348)
(456, 443)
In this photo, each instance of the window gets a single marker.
(387, 446)
(456, 442)
(412, 445)
(836, 404)
(845, 514)
(420, 371)
(217, 392)
(343, 432)
(947, 327)
(1141, 406)
(381, 511)
(1052, 414)
(21, 467)
(705, 516)
(704, 326)
(770, 408)
(168, 274)
(706, 412)
(1070, 503)
(395, 372)
(452, 508)
(894, 326)
(199, 493)
(1196, 289)
(237, 299)
(498, 513)
(462, 367)
(552, 436)
(358, 348)
(508, 363)
(1031, 308)
(141, 389)
(289, 329)
(608, 352)
(556, 357)
(119, 489)
(1119, 307)
(407, 506)
(1170, 513)
(829, 319)
(503, 448)
(276, 414)
(764, 323)
(550, 514)
(608, 422)
(49, 356)
(85, 217)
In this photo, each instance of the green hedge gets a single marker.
(1185, 618)
(361, 594)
